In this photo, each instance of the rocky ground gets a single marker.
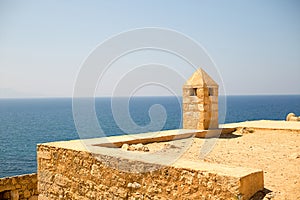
(276, 152)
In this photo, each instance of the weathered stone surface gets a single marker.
(44, 155)
(33, 198)
(20, 187)
(292, 117)
(93, 178)
(27, 194)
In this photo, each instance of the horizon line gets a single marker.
(70, 97)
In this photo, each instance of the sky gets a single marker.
(255, 45)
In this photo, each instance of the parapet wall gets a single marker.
(23, 187)
(66, 173)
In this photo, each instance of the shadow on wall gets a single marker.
(19, 187)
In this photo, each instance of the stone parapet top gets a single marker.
(159, 136)
(265, 124)
(220, 169)
(99, 146)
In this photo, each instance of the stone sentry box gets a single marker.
(200, 102)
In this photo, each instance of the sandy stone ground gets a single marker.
(276, 152)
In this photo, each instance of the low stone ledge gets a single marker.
(72, 172)
(265, 125)
(241, 182)
(144, 138)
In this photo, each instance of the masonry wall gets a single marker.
(22, 187)
(200, 108)
(71, 174)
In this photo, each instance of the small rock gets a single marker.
(131, 148)
(295, 155)
(136, 185)
(269, 196)
(292, 117)
(139, 147)
(246, 130)
(125, 147)
(145, 149)
(136, 147)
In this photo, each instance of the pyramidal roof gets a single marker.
(200, 78)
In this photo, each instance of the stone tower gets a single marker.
(200, 102)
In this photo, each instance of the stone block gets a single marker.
(61, 180)
(192, 107)
(186, 100)
(7, 187)
(14, 195)
(27, 194)
(44, 155)
(213, 99)
(23, 186)
(33, 197)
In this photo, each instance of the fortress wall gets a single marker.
(65, 173)
(23, 187)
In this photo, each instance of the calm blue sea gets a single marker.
(27, 122)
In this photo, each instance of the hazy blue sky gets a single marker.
(255, 44)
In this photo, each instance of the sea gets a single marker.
(24, 123)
